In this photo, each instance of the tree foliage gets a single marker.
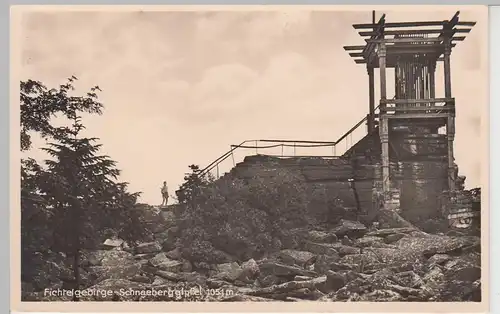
(243, 219)
(192, 182)
(40, 104)
(70, 200)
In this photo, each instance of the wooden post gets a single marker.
(432, 81)
(383, 84)
(384, 123)
(450, 130)
(450, 126)
(371, 90)
(447, 69)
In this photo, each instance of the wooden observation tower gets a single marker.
(412, 49)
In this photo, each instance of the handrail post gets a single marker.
(217, 171)
(294, 148)
(282, 147)
(256, 148)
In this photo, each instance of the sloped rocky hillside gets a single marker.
(349, 262)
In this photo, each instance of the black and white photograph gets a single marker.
(283, 154)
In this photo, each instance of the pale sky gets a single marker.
(180, 87)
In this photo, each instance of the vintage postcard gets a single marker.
(192, 158)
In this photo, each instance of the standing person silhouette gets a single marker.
(164, 194)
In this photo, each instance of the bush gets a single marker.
(244, 219)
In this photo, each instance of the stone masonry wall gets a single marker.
(418, 170)
(331, 175)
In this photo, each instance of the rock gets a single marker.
(147, 268)
(383, 273)
(345, 249)
(349, 228)
(186, 267)
(112, 243)
(368, 241)
(171, 266)
(250, 269)
(438, 259)
(360, 259)
(430, 245)
(167, 242)
(302, 278)
(140, 257)
(169, 275)
(391, 238)
(322, 237)
(140, 279)
(434, 275)
(467, 274)
(154, 220)
(195, 278)
(229, 271)
(408, 279)
(420, 295)
(268, 280)
(278, 291)
(324, 263)
(245, 298)
(169, 218)
(417, 266)
(126, 271)
(385, 255)
(159, 281)
(217, 283)
(283, 270)
(300, 295)
(174, 254)
(89, 259)
(475, 293)
(353, 275)
(201, 266)
(334, 281)
(391, 219)
(453, 290)
(320, 248)
(162, 262)
(294, 257)
(148, 247)
(111, 258)
(390, 231)
(339, 266)
(381, 296)
(352, 289)
(158, 259)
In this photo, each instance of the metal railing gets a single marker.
(263, 145)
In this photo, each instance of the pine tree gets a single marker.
(75, 197)
(192, 182)
(38, 105)
(81, 185)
